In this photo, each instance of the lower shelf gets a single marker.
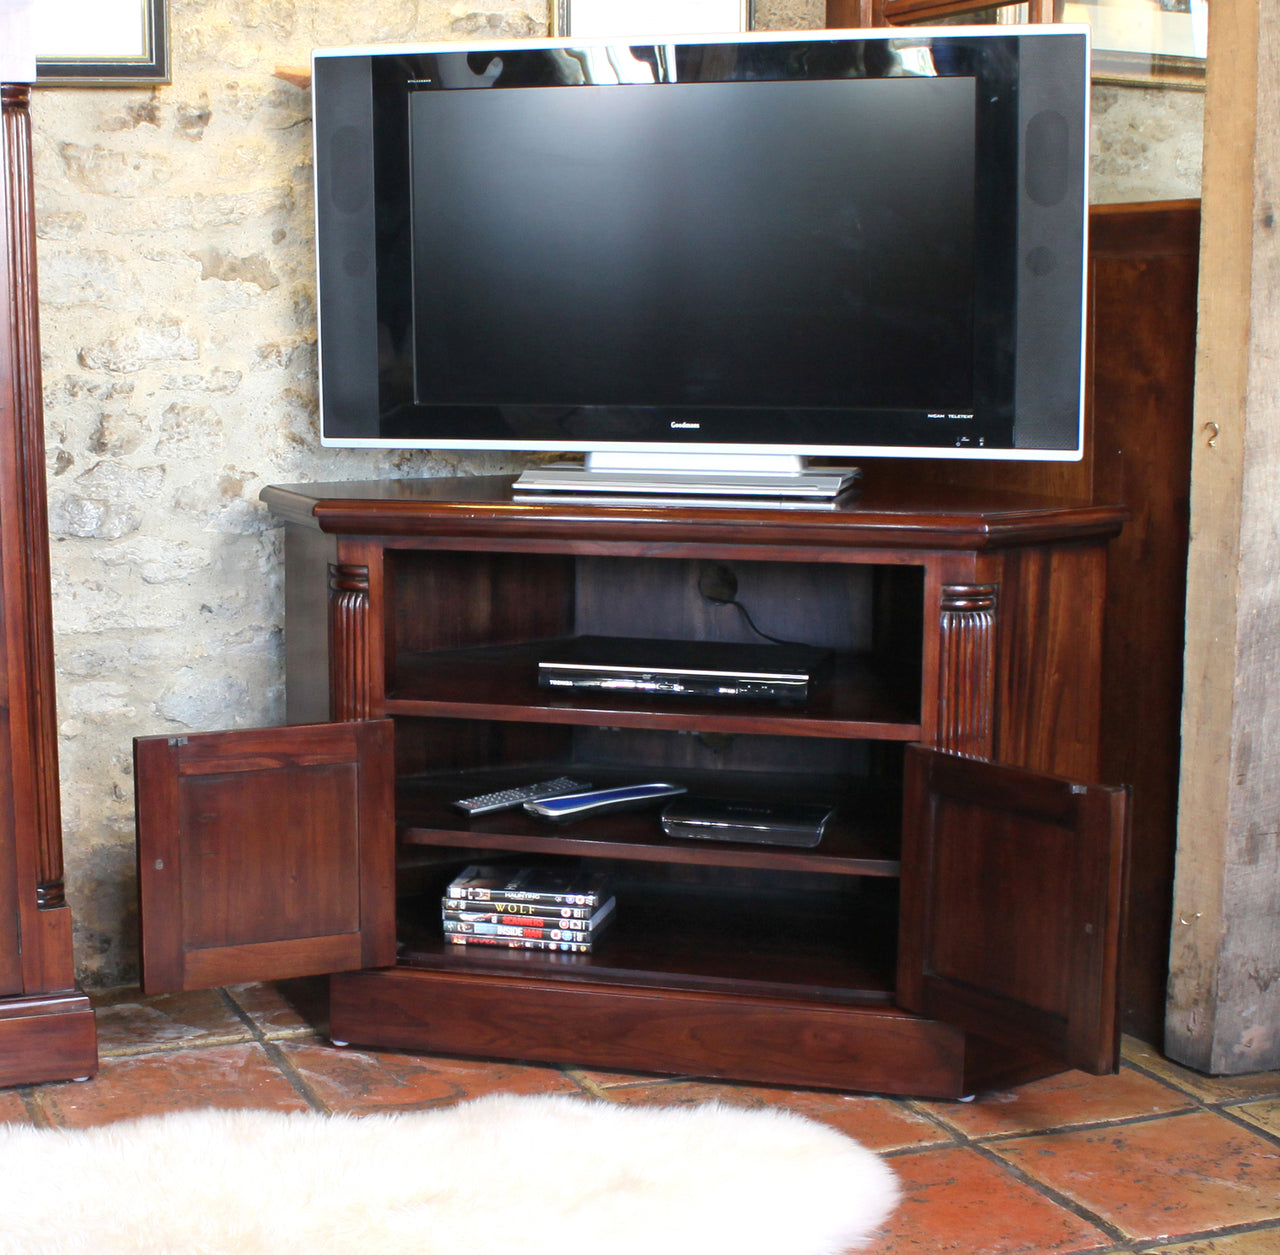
(818, 946)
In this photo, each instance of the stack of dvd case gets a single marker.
(527, 908)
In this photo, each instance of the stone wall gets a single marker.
(1145, 143)
(178, 321)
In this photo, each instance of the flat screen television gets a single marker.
(707, 252)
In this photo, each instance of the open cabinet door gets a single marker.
(265, 854)
(1012, 890)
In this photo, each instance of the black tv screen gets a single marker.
(826, 244)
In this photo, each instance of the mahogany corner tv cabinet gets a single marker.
(957, 926)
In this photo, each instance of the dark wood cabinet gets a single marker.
(956, 734)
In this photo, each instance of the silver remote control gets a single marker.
(509, 799)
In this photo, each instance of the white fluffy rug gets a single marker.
(491, 1177)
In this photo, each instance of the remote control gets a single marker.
(509, 799)
(597, 801)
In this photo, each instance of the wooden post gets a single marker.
(46, 1025)
(30, 769)
(1224, 991)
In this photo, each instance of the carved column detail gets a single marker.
(349, 643)
(27, 596)
(966, 693)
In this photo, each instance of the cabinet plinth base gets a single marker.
(47, 1038)
(762, 1040)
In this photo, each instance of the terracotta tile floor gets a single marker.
(1154, 1159)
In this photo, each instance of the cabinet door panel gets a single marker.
(265, 853)
(1011, 903)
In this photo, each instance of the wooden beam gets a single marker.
(1224, 990)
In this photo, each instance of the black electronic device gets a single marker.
(727, 669)
(800, 824)
(510, 799)
(707, 255)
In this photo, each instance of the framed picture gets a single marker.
(651, 17)
(1146, 41)
(101, 42)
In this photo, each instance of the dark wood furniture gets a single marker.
(1143, 269)
(958, 925)
(46, 1025)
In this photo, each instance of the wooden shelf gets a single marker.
(864, 697)
(827, 947)
(860, 841)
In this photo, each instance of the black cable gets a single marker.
(751, 623)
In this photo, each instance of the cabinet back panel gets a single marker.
(441, 745)
(450, 600)
(829, 605)
(709, 751)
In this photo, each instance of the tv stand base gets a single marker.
(819, 486)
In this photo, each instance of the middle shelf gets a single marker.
(864, 696)
(861, 840)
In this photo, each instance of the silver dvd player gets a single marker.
(683, 668)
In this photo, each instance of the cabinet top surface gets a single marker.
(950, 518)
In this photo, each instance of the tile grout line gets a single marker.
(1120, 1242)
(994, 1139)
(1248, 1125)
(177, 1047)
(1156, 1246)
(591, 1088)
(1209, 1104)
(295, 1078)
(1061, 1199)
(988, 1147)
(1195, 1103)
(1221, 1106)
(277, 1056)
(36, 1113)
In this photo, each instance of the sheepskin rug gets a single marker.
(497, 1175)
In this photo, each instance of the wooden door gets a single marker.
(265, 854)
(1011, 902)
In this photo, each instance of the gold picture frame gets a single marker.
(1135, 42)
(1154, 42)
